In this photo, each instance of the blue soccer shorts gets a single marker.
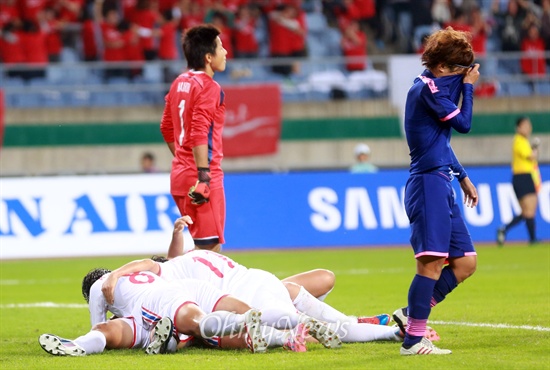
(437, 226)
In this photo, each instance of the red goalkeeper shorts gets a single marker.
(208, 218)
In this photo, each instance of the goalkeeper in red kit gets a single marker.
(192, 125)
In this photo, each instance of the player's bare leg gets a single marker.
(191, 320)
(318, 282)
(463, 267)
(113, 334)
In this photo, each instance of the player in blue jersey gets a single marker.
(438, 232)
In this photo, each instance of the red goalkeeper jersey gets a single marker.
(194, 114)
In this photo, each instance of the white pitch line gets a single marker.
(493, 326)
(44, 305)
(435, 322)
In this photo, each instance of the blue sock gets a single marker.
(446, 283)
(420, 296)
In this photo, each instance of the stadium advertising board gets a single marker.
(252, 120)
(134, 214)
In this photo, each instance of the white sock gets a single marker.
(324, 296)
(93, 342)
(354, 332)
(280, 318)
(274, 337)
(220, 323)
(305, 302)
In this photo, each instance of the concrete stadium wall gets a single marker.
(304, 144)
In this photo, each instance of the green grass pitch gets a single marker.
(498, 319)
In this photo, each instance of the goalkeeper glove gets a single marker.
(200, 192)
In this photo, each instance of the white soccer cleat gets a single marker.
(424, 347)
(58, 346)
(323, 333)
(162, 335)
(253, 332)
(400, 318)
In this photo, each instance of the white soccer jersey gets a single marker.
(258, 288)
(221, 271)
(146, 298)
(129, 293)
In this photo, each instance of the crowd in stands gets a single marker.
(36, 31)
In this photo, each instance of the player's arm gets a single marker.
(462, 122)
(109, 284)
(176, 245)
(97, 304)
(470, 192)
(203, 116)
(166, 126)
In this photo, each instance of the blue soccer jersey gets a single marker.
(430, 114)
(437, 227)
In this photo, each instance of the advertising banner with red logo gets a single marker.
(252, 120)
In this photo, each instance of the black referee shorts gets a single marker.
(523, 185)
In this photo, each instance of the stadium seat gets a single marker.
(53, 98)
(105, 98)
(542, 88)
(316, 23)
(28, 100)
(79, 98)
(152, 72)
(69, 55)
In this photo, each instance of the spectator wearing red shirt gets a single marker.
(52, 26)
(532, 46)
(167, 36)
(132, 49)
(31, 10)
(166, 5)
(246, 44)
(9, 13)
(354, 44)
(68, 10)
(298, 39)
(349, 11)
(167, 42)
(146, 18)
(192, 15)
(480, 30)
(33, 43)
(113, 43)
(127, 7)
(11, 50)
(226, 36)
(88, 37)
(283, 27)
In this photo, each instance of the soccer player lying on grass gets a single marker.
(144, 302)
(261, 290)
(303, 287)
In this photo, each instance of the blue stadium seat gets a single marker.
(542, 88)
(105, 99)
(316, 23)
(13, 82)
(517, 89)
(132, 98)
(152, 72)
(79, 98)
(316, 46)
(53, 98)
(69, 55)
(28, 100)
